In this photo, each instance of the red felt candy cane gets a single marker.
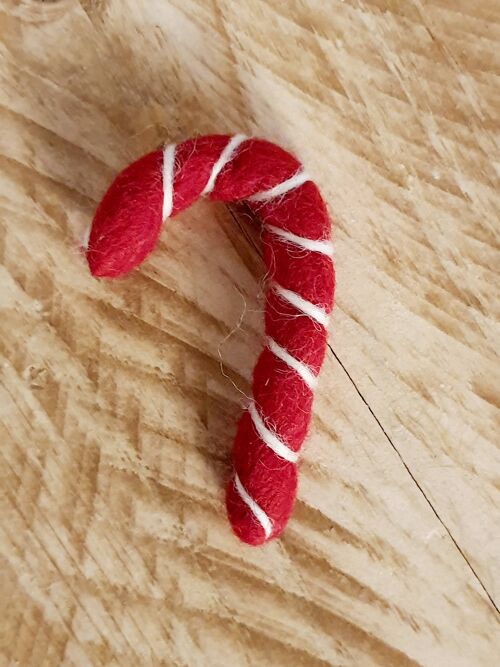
(298, 258)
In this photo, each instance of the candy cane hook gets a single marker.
(298, 257)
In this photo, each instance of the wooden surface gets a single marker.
(118, 400)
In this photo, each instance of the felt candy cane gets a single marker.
(298, 257)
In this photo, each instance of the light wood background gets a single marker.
(118, 400)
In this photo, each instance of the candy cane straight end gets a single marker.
(249, 521)
(298, 257)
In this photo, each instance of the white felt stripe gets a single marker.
(269, 437)
(256, 509)
(168, 180)
(282, 188)
(301, 304)
(225, 157)
(323, 247)
(298, 366)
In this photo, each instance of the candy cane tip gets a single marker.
(128, 220)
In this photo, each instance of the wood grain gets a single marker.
(119, 399)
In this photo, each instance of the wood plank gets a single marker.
(119, 399)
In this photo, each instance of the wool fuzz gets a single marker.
(298, 258)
